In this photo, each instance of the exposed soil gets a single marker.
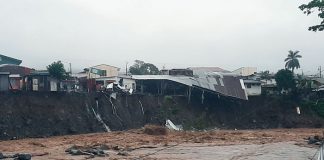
(36, 114)
(133, 140)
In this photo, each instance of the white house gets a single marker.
(124, 81)
(245, 71)
(102, 70)
(252, 87)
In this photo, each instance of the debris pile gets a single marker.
(18, 156)
(91, 151)
(317, 140)
(155, 130)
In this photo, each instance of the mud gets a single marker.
(222, 144)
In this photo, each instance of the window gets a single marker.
(248, 85)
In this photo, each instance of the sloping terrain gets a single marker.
(36, 114)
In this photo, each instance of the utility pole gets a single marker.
(126, 67)
(320, 71)
(70, 69)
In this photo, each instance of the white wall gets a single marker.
(255, 89)
(246, 71)
(110, 71)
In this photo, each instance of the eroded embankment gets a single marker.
(50, 114)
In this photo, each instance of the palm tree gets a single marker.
(292, 61)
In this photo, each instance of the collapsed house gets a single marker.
(220, 84)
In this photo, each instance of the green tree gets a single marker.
(315, 5)
(285, 79)
(292, 61)
(56, 69)
(142, 68)
(265, 75)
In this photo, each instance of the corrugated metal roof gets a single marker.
(4, 73)
(251, 81)
(227, 85)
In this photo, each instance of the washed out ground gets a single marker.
(136, 144)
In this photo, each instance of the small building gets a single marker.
(16, 75)
(126, 82)
(69, 85)
(252, 87)
(8, 60)
(4, 81)
(316, 82)
(40, 81)
(245, 71)
(102, 70)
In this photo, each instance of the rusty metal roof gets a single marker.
(227, 85)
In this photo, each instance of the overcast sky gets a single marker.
(171, 33)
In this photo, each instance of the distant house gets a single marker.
(16, 75)
(4, 81)
(40, 81)
(316, 82)
(8, 60)
(126, 82)
(102, 70)
(245, 71)
(252, 87)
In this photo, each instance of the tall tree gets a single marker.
(292, 61)
(315, 5)
(285, 79)
(142, 68)
(56, 69)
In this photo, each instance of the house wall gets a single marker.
(246, 71)
(110, 71)
(269, 81)
(128, 83)
(4, 82)
(253, 90)
(15, 83)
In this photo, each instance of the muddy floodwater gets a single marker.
(283, 144)
(283, 151)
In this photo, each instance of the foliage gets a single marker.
(56, 69)
(312, 6)
(142, 68)
(285, 79)
(317, 106)
(198, 123)
(292, 61)
(265, 75)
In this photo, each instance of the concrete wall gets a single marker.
(254, 90)
(110, 71)
(246, 71)
(4, 82)
(129, 83)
